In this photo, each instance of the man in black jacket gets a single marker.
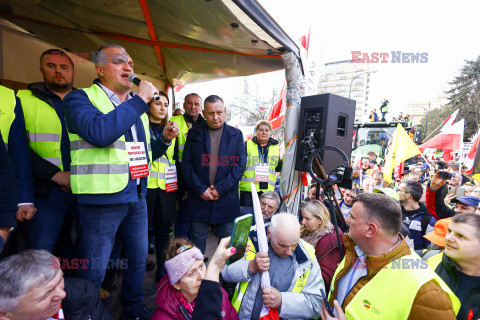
(33, 288)
(49, 148)
(191, 119)
(459, 264)
(434, 200)
(415, 215)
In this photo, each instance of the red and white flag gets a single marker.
(269, 314)
(449, 121)
(471, 153)
(266, 313)
(449, 140)
(398, 171)
(277, 114)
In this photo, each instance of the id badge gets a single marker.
(171, 183)
(137, 159)
(261, 172)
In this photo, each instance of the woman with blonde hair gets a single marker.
(263, 161)
(317, 230)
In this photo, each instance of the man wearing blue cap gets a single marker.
(425, 168)
(436, 205)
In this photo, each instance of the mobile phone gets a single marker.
(324, 296)
(239, 238)
(460, 192)
(452, 190)
(445, 175)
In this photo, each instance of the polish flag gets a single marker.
(269, 314)
(449, 140)
(398, 171)
(305, 40)
(277, 115)
(469, 161)
(179, 85)
(449, 121)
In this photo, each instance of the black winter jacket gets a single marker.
(449, 273)
(83, 301)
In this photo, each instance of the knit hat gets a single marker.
(179, 265)
(437, 236)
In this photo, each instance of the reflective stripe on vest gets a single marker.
(390, 294)
(253, 157)
(182, 137)
(44, 129)
(7, 112)
(241, 287)
(101, 170)
(82, 144)
(156, 178)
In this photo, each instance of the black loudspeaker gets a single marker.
(325, 119)
(418, 136)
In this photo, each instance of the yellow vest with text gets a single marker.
(391, 292)
(7, 112)
(182, 137)
(434, 261)
(44, 129)
(299, 284)
(253, 157)
(101, 170)
(156, 179)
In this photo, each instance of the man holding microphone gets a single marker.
(111, 147)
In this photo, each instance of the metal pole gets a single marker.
(350, 91)
(434, 131)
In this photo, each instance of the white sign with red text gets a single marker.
(137, 159)
(171, 183)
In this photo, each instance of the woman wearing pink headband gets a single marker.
(177, 291)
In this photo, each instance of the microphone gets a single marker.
(132, 77)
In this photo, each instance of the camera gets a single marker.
(445, 175)
(344, 176)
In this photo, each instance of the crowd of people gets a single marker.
(129, 180)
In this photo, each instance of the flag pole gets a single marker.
(453, 115)
(423, 156)
(433, 131)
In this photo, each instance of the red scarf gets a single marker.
(183, 301)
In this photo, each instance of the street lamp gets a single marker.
(426, 116)
(350, 91)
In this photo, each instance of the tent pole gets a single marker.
(291, 180)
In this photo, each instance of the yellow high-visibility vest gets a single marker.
(7, 112)
(182, 137)
(390, 294)
(101, 170)
(44, 128)
(253, 157)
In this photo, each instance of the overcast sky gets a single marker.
(447, 31)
